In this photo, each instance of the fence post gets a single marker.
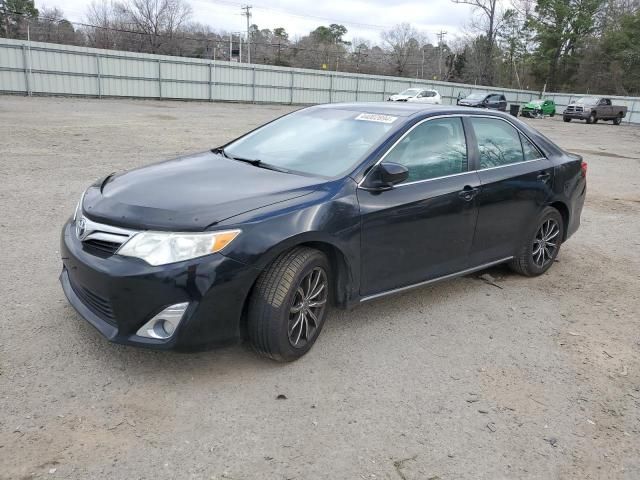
(630, 113)
(99, 75)
(159, 78)
(384, 89)
(291, 88)
(210, 82)
(331, 88)
(357, 87)
(253, 85)
(27, 82)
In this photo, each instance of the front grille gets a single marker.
(102, 245)
(97, 304)
(100, 239)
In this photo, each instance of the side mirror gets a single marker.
(386, 175)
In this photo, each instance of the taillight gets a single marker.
(583, 169)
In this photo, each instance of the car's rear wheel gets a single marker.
(553, 113)
(541, 246)
(618, 119)
(288, 305)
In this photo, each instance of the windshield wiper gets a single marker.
(256, 162)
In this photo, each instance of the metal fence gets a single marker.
(36, 68)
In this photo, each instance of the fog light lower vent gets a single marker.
(164, 324)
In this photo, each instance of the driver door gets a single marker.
(422, 228)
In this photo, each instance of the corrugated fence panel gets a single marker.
(12, 81)
(46, 68)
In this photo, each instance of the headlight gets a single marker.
(78, 210)
(160, 248)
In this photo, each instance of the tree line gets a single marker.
(557, 45)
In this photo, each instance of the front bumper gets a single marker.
(531, 112)
(117, 295)
(576, 115)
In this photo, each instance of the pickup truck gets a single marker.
(593, 109)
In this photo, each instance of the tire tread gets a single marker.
(270, 290)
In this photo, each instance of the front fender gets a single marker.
(328, 219)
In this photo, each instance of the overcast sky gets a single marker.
(363, 18)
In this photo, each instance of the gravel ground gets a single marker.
(539, 378)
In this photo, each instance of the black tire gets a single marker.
(272, 302)
(552, 114)
(592, 118)
(566, 119)
(526, 262)
(618, 119)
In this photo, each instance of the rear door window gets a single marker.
(530, 151)
(498, 142)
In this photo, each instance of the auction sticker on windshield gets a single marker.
(373, 117)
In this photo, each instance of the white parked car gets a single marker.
(418, 95)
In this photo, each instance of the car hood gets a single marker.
(190, 193)
(400, 97)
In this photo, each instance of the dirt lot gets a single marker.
(539, 378)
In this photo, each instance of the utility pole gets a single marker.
(440, 36)
(358, 58)
(247, 13)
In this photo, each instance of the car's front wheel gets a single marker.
(288, 305)
(541, 247)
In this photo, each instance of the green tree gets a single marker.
(560, 27)
(331, 34)
(621, 45)
(14, 14)
(281, 34)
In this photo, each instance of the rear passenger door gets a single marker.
(503, 103)
(516, 181)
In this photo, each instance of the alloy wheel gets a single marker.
(309, 302)
(545, 243)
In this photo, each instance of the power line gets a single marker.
(308, 16)
(218, 39)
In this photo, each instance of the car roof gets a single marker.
(403, 109)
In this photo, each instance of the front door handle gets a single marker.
(468, 193)
(544, 176)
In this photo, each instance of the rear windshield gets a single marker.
(318, 141)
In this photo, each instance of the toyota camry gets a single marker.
(330, 205)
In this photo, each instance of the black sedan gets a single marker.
(493, 101)
(333, 204)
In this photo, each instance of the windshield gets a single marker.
(412, 92)
(476, 96)
(587, 101)
(536, 102)
(318, 141)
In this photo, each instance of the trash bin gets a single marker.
(514, 109)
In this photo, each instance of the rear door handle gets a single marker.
(544, 176)
(468, 193)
